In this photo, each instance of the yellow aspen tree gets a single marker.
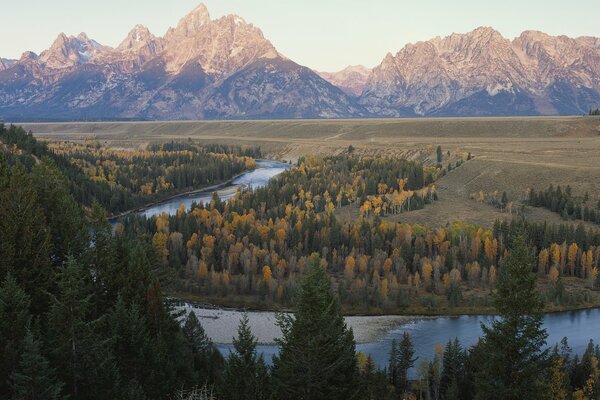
(267, 275)
(417, 279)
(543, 261)
(159, 242)
(572, 258)
(555, 253)
(387, 266)
(427, 269)
(202, 270)
(362, 264)
(349, 268)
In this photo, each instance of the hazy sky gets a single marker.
(322, 34)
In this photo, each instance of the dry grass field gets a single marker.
(511, 154)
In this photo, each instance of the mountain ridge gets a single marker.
(225, 68)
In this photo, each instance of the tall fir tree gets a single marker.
(63, 215)
(25, 247)
(34, 378)
(405, 361)
(14, 321)
(317, 358)
(246, 375)
(208, 361)
(514, 366)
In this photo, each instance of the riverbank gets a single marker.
(221, 324)
(249, 304)
(225, 189)
(208, 190)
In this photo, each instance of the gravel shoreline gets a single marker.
(221, 325)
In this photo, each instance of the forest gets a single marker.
(253, 248)
(564, 202)
(121, 180)
(85, 311)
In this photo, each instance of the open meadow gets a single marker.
(510, 154)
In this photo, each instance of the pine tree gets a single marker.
(317, 358)
(514, 365)
(246, 374)
(34, 379)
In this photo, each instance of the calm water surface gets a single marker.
(578, 326)
(255, 179)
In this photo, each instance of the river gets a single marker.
(374, 334)
(256, 178)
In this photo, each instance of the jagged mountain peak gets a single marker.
(219, 46)
(482, 73)
(193, 21)
(138, 37)
(67, 51)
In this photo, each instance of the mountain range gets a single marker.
(226, 69)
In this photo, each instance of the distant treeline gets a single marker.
(121, 180)
(563, 202)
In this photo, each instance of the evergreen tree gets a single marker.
(208, 361)
(78, 350)
(393, 364)
(514, 366)
(453, 377)
(374, 382)
(131, 347)
(317, 358)
(14, 320)
(405, 361)
(246, 375)
(25, 246)
(34, 379)
(63, 215)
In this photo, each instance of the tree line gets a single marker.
(563, 202)
(122, 180)
(253, 247)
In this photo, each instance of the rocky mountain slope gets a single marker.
(202, 68)
(483, 73)
(225, 68)
(351, 80)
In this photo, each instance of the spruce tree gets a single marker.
(514, 366)
(34, 379)
(317, 358)
(246, 375)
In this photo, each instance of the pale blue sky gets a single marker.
(322, 34)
